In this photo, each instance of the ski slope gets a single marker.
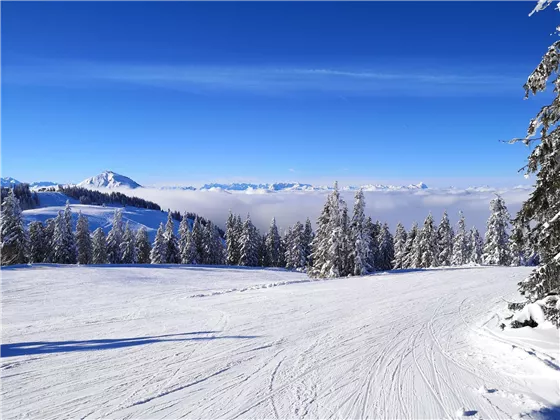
(207, 342)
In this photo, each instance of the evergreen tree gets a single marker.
(417, 251)
(386, 253)
(198, 242)
(460, 244)
(328, 245)
(64, 249)
(142, 246)
(359, 238)
(399, 246)
(476, 247)
(496, 243)
(37, 248)
(114, 239)
(159, 248)
(13, 237)
(49, 240)
(521, 245)
(445, 238)
(128, 246)
(542, 210)
(213, 247)
(250, 239)
(99, 246)
(375, 235)
(308, 236)
(233, 234)
(262, 254)
(295, 247)
(410, 259)
(429, 244)
(185, 240)
(83, 241)
(273, 245)
(369, 229)
(172, 248)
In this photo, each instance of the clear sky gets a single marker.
(181, 92)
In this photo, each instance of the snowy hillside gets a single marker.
(108, 179)
(98, 216)
(208, 342)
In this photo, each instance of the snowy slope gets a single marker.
(108, 179)
(98, 216)
(173, 341)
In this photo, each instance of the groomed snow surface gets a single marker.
(207, 342)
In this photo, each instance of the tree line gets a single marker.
(343, 245)
(27, 199)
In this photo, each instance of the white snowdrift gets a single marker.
(207, 342)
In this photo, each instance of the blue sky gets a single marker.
(182, 92)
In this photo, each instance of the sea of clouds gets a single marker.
(290, 206)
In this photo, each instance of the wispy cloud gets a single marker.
(262, 79)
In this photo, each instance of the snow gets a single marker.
(98, 216)
(8, 182)
(214, 342)
(108, 179)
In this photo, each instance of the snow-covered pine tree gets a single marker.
(232, 240)
(250, 239)
(128, 246)
(13, 240)
(308, 236)
(330, 242)
(475, 247)
(375, 229)
(262, 254)
(359, 243)
(399, 246)
(49, 238)
(386, 253)
(273, 245)
(445, 236)
(142, 246)
(416, 253)
(99, 247)
(295, 247)
(64, 250)
(409, 260)
(347, 265)
(461, 243)
(214, 249)
(197, 236)
(496, 243)
(83, 241)
(429, 243)
(172, 247)
(369, 228)
(159, 248)
(114, 239)
(319, 246)
(184, 239)
(542, 210)
(36, 242)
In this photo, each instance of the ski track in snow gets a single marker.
(202, 342)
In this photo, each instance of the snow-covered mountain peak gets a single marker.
(109, 179)
(9, 182)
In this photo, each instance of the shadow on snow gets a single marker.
(546, 413)
(46, 347)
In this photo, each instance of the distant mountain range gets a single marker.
(113, 180)
(10, 182)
